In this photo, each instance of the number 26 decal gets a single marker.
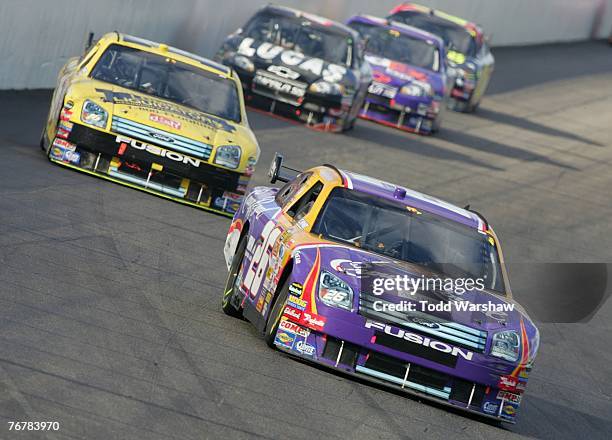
(261, 258)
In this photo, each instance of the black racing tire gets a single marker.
(275, 313)
(348, 125)
(230, 285)
(473, 107)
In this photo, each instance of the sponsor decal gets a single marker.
(278, 85)
(381, 89)
(420, 340)
(66, 125)
(65, 114)
(291, 327)
(296, 302)
(296, 289)
(297, 257)
(292, 312)
(381, 77)
(150, 103)
(157, 151)
(73, 157)
(283, 72)
(284, 339)
(424, 322)
(269, 51)
(305, 348)
(490, 407)
(313, 321)
(227, 204)
(65, 151)
(509, 397)
(260, 303)
(64, 144)
(399, 70)
(64, 128)
(509, 410)
(507, 383)
(266, 303)
(161, 137)
(160, 119)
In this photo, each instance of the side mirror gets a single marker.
(275, 167)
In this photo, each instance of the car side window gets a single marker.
(304, 204)
(290, 189)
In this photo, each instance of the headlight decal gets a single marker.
(326, 88)
(244, 63)
(335, 292)
(94, 114)
(506, 344)
(228, 156)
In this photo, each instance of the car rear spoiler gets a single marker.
(280, 172)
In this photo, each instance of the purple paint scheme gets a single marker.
(403, 95)
(440, 355)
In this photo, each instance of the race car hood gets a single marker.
(357, 267)
(293, 65)
(167, 116)
(398, 74)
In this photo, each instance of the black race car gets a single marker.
(300, 65)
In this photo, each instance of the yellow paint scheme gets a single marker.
(74, 87)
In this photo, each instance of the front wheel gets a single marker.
(229, 293)
(275, 314)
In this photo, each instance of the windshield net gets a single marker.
(301, 35)
(169, 79)
(390, 229)
(393, 45)
(455, 37)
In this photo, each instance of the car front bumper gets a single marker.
(321, 112)
(414, 115)
(150, 168)
(351, 349)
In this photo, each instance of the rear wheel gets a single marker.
(230, 291)
(275, 314)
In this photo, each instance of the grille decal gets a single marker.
(174, 142)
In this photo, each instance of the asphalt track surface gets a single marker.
(110, 319)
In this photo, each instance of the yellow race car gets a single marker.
(154, 118)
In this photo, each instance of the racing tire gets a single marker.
(349, 124)
(473, 107)
(275, 314)
(230, 286)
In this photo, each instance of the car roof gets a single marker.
(164, 48)
(412, 198)
(332, 25)
(471, 27)
(400, 27)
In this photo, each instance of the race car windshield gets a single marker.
(301, 35)
(391, 229)
(169, 79)
(391, 44)
(455, 37)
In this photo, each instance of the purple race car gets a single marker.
(410, 85)
(384, 283)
